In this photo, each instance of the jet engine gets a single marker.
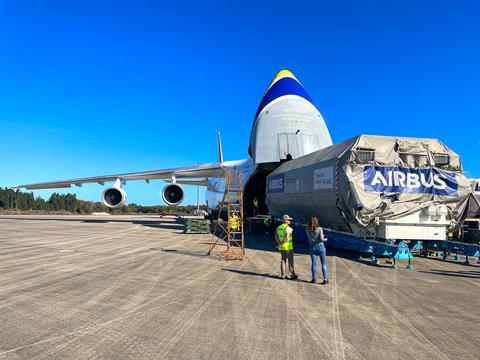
(114, 197)
(173, 194)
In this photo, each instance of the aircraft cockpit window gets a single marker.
(365, 155)
(442, 159)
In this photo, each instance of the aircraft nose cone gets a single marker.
(284, 83)
(281, 74)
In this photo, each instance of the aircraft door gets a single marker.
(288, 145)
(309, 144)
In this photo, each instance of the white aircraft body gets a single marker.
(286, 125)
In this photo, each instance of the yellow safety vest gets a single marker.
(450, 231)
(233, 222)
(281, 230)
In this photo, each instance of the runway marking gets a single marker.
(312, 329)
(61, 241)
(378, 330)
(337, 326)
(43, 288)
(132, 312)
(181, 332)
(334, 298)
(300, 297)
(87, 329)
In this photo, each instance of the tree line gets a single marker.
(19, 201)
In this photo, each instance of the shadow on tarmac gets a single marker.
(266, 275)
(163, 226)
(196, 254)
(154, 223)
(202, 254)
(264, 242)
(251, 273)
(470, 274)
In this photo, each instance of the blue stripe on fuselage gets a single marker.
(284, 86)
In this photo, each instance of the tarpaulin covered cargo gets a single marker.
(361, 183)
(474, 206)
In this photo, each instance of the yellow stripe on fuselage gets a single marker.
(281, 74)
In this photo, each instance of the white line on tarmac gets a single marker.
(132, 312)
(179, 334)
(401, 318)
(337, 325)
(85, 330)
(312, 329)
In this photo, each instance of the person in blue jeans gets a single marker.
(317, 249)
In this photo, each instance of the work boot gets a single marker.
(325, 282)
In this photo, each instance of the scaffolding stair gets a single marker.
(228, 238)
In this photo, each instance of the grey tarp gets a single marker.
(330, 183)
(474, 206)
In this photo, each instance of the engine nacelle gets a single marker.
(114, 197)
(173, 194)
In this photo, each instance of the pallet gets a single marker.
(197, 227)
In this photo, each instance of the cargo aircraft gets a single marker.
(287, 125)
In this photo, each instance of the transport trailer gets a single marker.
(464, 243)
(375, 191)
(370, 250)
(447, 248)
(375, 187)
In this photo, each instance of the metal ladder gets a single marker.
(231, 232)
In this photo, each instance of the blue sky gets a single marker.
(89, 88)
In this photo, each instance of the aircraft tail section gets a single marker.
(219, 148)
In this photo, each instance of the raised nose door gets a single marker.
(296, 144)
(287, 145)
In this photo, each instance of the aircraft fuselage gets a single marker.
(287, 125)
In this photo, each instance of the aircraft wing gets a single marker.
(200, 182)
(189, 172)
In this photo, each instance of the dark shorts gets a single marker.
(286, 255)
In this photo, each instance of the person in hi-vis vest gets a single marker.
(283, 236)
(256, 207)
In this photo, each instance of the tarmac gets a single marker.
(129, 287)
